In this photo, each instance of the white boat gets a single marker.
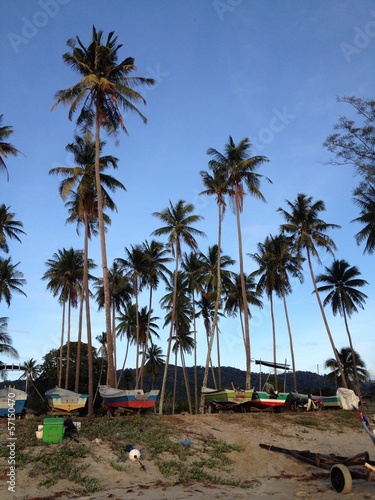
(64, 400)
(12, 402)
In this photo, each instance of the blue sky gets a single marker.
(270, 71)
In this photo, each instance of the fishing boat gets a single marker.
(65, 401)
(331, 402)
(268, 400)
(296, 401)
(12, 402)
(226, 399)
(133, 399)
(342, 469)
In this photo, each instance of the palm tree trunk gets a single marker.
(68, 347)
(164, 383)
(86, 295)
(107, 301)
(244, 300)
(343, 378)
(137, 338)
(147, 339)
(186, 380)
(274, 341)
(61, 346)
(353, 357)
(215, 320)
(79, 341)
(291, 344)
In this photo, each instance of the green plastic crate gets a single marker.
(53, 430)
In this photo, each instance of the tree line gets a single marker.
(197, 283)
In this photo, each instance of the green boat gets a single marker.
(226, 399)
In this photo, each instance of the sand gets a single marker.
(269, 474)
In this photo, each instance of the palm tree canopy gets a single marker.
(6, 340)
(105, 86)
(11, 280)
(6, 148)
(341, 281)
(347, 363)
(304, 224)
(9, 228)
(178, 221)
(365, 200)
(239, 169)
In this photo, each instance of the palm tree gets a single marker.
(104, 90)
(134, 266)
(341, 283)
(177, 219)
(366, 201)
(65, 274)
(215, 277)
(309, 233)
(9, 228)
(155, 261)
(346, 366)
(216, 185)
(6, 342)
(154, 362)
(32, 370)
(121, 291)
(83, 209)
(239, 169)
(11, 280)
(192, 268)
(269, 282)
(6, 149)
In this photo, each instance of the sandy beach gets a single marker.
(261, 473)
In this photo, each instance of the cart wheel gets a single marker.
(341, 479)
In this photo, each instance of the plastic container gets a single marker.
(53, 430)
(77, 426)
(40, 427)
(39, 434)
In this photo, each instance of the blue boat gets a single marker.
(128, 399)
(12, 402)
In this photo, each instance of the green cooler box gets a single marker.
(53, 430)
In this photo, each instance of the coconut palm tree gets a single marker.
(240, 171)
(121, 291)
(134, 266)
(6, 342)
(65, 274)
(216, 185)
(177, 219)
(365, 200)
(155, 260)
(341, 282)
(103, 92)
(6, 148)
(11, 280)
(32, 370)
(154, 362)
(9, 228)
(191, 266)
(346, 366)
(309, 233)
(269, 282)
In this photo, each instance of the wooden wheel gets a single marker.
(341, 479)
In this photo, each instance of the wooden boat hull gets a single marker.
(331, 402)
(262, 400)
(128, 399)
(12, 401)
(227, 396)
(65, 401)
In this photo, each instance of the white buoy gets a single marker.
(134, 455)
